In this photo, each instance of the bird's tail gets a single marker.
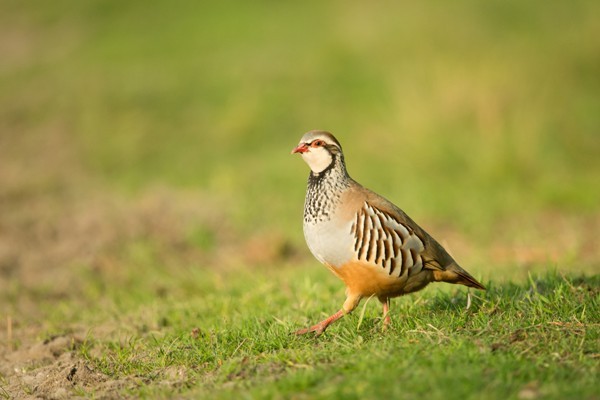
(455, 274)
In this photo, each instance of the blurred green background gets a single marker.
(480, 119)
(151, 212)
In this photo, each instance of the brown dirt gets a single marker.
(51, 369)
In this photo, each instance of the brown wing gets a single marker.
(424, 250)
(380, 238)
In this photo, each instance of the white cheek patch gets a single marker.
(317, 159)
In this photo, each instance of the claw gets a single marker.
(319, 328)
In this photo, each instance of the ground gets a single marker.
(150, 211)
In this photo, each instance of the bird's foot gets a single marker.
(319, 328)
(387, 321)
(386, 314)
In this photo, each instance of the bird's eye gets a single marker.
(317, 143)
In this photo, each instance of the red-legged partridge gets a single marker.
(364, 239)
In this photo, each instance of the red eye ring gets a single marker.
(317, 143)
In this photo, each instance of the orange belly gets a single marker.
(366, 280)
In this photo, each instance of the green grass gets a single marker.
(237, 340)
(150, 211)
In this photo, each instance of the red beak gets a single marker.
(301, 148)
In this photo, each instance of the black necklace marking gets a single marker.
(324, 190)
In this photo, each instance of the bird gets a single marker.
(363, 238)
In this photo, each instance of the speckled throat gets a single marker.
(325, 190)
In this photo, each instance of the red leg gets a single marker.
(386, 310)
(321, 326)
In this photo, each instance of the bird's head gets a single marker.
(319, 149)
